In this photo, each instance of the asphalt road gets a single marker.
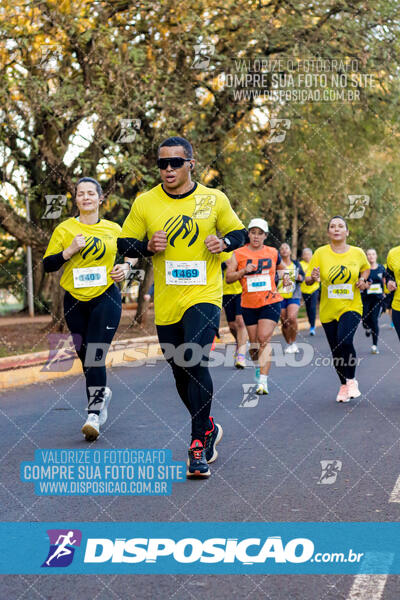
(268, 468)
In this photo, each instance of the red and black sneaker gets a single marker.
(197, 463)
(213, 437)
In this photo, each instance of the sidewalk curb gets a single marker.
(15, 373)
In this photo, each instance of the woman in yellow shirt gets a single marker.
(86, 247)
(343, 271)
(310, 293)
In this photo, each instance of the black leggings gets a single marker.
(311, 301)
(93, 324)
(340, 336)
(372, 306)
(396, 321)
(197, 330)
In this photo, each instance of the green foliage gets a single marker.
(122, 60)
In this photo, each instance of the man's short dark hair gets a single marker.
(178, 141)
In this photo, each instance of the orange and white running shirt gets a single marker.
(258, 288)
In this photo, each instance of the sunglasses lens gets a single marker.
(162, 163)
(176, 162)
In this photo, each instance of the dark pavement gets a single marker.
(268, 467)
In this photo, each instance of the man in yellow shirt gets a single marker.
(393, 284)
(176, 223)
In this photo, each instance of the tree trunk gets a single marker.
(295, 228)
(57, 302)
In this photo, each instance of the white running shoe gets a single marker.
(104, 411)
(240, 361)
(374, 349)
(343, 394)
(292, 348)
(352, 388)
(262, 387)
(91, 428)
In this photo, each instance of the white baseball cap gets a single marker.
(260, 223)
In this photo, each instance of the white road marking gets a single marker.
(370, 587)
(395, 495)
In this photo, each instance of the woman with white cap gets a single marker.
(255, 265)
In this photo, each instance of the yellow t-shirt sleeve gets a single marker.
(364, 261)
(56, 243)
(135, 223)
(227, 219)
(313, 264)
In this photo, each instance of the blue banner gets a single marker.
(200, 548)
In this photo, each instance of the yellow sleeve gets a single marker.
(389, 264)
(314, 263)
(227, 219)
(364, 261)
(135, 223)
(56, 243)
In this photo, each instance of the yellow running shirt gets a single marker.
(229, 288)
(393, 263)
(100, 251)
(307, 289)
(290, 270)
(186, 273)
(339, 274)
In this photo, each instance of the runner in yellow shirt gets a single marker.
(310, 293)
(343, 271)
(86, 247)
(231, 297)
(176, 223)
(393, 285)
(291, 296)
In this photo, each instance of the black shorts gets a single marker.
(231, 304)
(251, 316)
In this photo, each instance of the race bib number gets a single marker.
(89, 277)
(193, 272)
(258, 283)
(342, 291)
(375, 288)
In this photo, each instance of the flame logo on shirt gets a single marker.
(339, 274)
(181, 226)
(94, 246)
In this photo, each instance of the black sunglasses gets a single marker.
(176, 162)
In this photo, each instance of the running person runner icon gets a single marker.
(86, 247)
(343, 271)
(63, 541)
(180, 219)
(372, 299)
(310, 293)
(291, 295)
(254, 265)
